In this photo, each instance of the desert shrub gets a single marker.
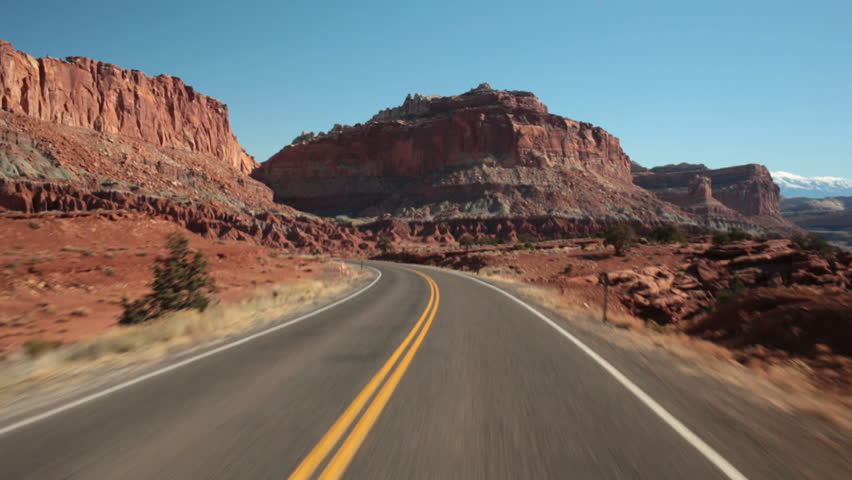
(527, 238)
(37, 346)
(568, 269)
(80, 312)
(668, 234)
(524, 246)
(137, 311)
(486, 240)
(180, 282)
(108, 271)
(473, 263)
(466, 240)
(622, 237)
(738, 234)
(736, 288)
(814, 243)
(85, 251)
(721, 238)
(385, 244)
(34, 224)
(733, 235)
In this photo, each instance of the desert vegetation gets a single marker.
(622, 237)
(181, 282)
(735, 234)
(385, 244)
(814, 243)
(668, 234)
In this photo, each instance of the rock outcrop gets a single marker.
(80, 92)
(744, 194)
(830, 217)
(483, 154)
(671, 295)
(46, 167)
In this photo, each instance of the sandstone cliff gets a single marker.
(81, 137)
(81, 92)
(742, 193)
(482, 154)
(47, 167)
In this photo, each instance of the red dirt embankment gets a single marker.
(62, 277)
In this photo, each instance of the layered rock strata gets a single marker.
(81, 92)
(482, 154)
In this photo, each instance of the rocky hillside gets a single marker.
(81, 92)
(484, 154)
(830, 217)
(118, 141)
(743, 194)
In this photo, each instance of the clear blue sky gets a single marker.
(721, 83)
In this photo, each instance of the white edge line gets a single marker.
(174, 366)
(709, 453)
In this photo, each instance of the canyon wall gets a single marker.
(81, 92)
(747, 189)
(80, 137)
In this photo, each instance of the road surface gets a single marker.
(426, 375)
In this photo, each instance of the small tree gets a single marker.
(736, 288)
(735, 234)
(814, 243)
(527, 238)
(668, 234)
(466, 241)
(620, 236)
(180, 282)
(385, 245)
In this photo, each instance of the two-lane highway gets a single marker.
(425, 375)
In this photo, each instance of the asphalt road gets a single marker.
(408, 380)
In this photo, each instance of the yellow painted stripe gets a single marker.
(330, 439)
(340, 461)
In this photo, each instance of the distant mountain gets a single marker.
(793, 185)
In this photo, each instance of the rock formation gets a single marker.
(81, 137)
(743, 194)
(80, 92)
(45, 167)
(830, 217)
(483, 154)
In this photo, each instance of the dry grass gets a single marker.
(87, 359)
(570, 302)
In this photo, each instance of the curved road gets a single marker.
(431, 376)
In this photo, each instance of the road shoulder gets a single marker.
(37, 396)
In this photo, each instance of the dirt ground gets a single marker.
(572, 268)
(62, 277)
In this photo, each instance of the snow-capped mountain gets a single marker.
(793, 185)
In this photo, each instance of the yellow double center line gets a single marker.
(341, 459)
